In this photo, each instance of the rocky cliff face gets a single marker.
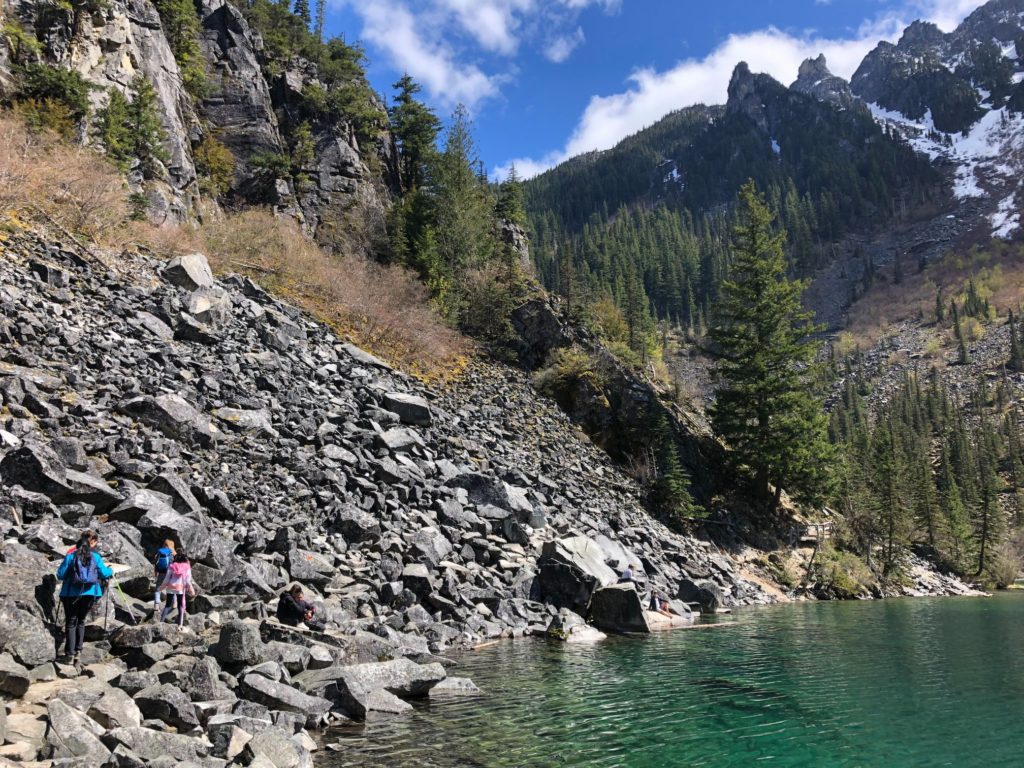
(112, 43)
(814, 79)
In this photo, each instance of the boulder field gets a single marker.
(148, 400)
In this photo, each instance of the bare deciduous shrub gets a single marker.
(70, 186)
(384, 309)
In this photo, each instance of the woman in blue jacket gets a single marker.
(82, 572)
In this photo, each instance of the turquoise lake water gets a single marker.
(895, 684)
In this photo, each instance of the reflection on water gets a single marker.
(904, 683)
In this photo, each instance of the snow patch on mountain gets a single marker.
(988, 159)
(1007, 218)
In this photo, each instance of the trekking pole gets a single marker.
(106, 609)
(127, 605)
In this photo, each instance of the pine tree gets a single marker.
(301, 9)
(510, 199)
(764, 409)
(321, 12)
(132, 129)
(415, 128)
(670, 491)
(465, 236)
(963, 356)
(1016, 361)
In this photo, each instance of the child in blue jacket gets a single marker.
(81, 573)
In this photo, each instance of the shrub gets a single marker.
(841, 574)
(42, 115)
(132, 129)
(566, 366)
(48, 85)
(1005, 566)
(384, 309)
(22, 44)
(215, 165)
(484, 313)
(70, 186)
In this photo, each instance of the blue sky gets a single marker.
(548, 79)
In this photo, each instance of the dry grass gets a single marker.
(385, 310)
(72, 187)
(997, 269)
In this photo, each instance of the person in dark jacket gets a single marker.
(293, 609)
(81, 572)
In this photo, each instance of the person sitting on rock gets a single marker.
(628, 575)
(161, 563)
(82, 572)
(293, 609)
(177, 583)
(660, 604)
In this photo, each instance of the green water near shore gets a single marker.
(899, 683)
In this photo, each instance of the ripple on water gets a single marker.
(899, 684)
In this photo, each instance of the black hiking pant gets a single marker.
(76, 613)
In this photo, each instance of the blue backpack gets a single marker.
(163, 559)
(85, 574)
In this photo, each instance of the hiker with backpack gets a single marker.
(81, 572)
(177, 583)
(161, 563)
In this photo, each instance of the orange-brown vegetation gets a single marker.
(997, 269)
(70, 186)
(384, 309)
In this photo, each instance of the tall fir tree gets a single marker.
(301, 9)
(415, 127)
(764, 408)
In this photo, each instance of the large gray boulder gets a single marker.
(411, 409)
(38, 468)
(263, 690)
(190, 272)
(72, 734)
(168, 703)
(25, 636)
(570, 627)
(704, 592)
(277, 748)
(618, 608)
(14, 678)
(175, 417)
(240, 644)
(569, 570)
(355, 524)
(150, 744)
(358, 686)
(115, 709)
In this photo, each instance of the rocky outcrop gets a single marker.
(237, 101)
(341, 200)
(814, 79)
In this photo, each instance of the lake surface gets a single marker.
(897, 683)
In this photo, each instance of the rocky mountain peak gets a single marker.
(814, 79)
(921, 34)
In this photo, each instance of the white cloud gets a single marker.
(494, 24)
(653, 94)
(394, 29)
(946, 14)
(561, 48)
(439, 42)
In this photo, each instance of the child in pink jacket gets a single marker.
(176, 584)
